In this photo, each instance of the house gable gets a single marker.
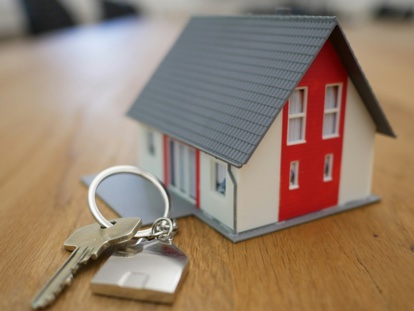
(226, 79)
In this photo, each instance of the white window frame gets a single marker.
(301, 115)
(182, 170)
(214, 169)
(294, 165)
(329, 158)
(336, 110)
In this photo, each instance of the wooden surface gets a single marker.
(63, 100)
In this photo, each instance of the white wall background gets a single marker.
(151, 163)
(357, 150)
(259, 182)
(215, 204)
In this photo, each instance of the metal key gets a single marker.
(86, 242)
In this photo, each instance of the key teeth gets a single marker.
(52, 297)
(80, 256)
(69, 280)
(45, 302)
(49, 299)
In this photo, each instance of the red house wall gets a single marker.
(314, 193)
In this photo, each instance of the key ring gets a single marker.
(146, 233)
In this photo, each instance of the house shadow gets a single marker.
(129, 196)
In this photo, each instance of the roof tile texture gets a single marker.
(227, 78)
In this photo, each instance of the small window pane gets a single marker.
(296, 121)
(172, 163)
(296, 104)
(295, 129)
(331, 98)
(220, 178)
(331, 113)
(293, 175)
(327, 170)
(192, 172)
(329, 124)
(181, 152)
(150, 143)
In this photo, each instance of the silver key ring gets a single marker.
(129, 170)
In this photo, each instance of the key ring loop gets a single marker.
(128, 169)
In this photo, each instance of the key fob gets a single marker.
(150, 270)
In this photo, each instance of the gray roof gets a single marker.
(227, 78)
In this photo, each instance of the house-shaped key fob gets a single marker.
(150, 271)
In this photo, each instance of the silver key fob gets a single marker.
(151, 271)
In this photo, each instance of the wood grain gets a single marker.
(63, 100)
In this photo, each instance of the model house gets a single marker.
(261, 121)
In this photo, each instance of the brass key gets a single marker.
(85, 243)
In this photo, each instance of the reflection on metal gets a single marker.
(151, 271)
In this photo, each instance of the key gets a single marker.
(85, 243)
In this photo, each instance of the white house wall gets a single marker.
(217, 205)
(358, 150)
(151, 163)
(259, 182)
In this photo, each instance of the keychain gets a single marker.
(153, 268)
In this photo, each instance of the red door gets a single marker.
(313, 123)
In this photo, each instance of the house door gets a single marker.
(182, 169)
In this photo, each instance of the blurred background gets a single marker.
(36, 17)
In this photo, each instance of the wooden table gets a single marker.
(63, 100)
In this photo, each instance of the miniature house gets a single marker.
(261, 122)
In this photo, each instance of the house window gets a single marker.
(182, 170)
(220, 177)
(192, 172)
(297, 117)
(150, 142)
(327, 167)
(331, 111)
(294, 175)
(173, 166)
(182, 166)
